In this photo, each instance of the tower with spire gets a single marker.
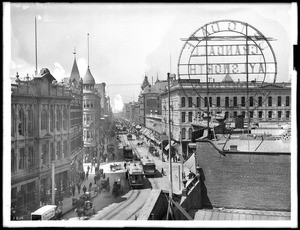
(74, 77)
(145, 83)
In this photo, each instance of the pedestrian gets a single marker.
(126, 174)
(90, 186)
(84, 189)
(73, 189)
(83, 176)
(125, 165)
(162, 171)
(95, 178)
(87, 175)
(96, 189)
(78, 187)
(88, 168)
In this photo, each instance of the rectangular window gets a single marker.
(210, 101)
(235, 101)
(198, 102)
(190, 116)
(287, 114)
(190, 101)
(251, 114)
(183, 134)
(251, 101)
(269, 101)
(242, 101)
(226, 102)
(260, 114)
(259, 101)
(218, 101)
(270, 114)
(205, 102)
(279, 101)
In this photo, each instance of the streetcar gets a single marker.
(127, 153)
(129, 137)
(148, 167)
(136, 175)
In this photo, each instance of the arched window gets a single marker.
(183, 102)
(183, 117)
(279, 101)
(30, 122)
(270, 114)
(65, 119)
(190, 133)
(22, 122)
(13, 161)
(52, 120)
(251, 102)
(22, 158)
(44, 120)
(13, 122)
(183, 134)
(218, 101)
(58, 119)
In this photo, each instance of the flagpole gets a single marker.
(35, 35)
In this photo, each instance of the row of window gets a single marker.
(183, 133)
(88, 118)
(57, 151)
(88, 104)
(269, 114)
(22, 123)
(235, 101)
(57, 120)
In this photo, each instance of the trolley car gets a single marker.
(148, 167)
(127, 153)
(136, 175)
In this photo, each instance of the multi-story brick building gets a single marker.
(40, 135)
(268, 104)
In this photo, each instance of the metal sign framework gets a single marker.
(228, 47)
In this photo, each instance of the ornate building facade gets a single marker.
(40, 134)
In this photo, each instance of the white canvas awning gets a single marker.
(191, 163)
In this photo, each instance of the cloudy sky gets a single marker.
(127, 40)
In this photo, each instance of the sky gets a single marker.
(129, 40)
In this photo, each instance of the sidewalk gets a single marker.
(67, 201)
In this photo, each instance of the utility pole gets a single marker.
(53, 183)
(247, 76)
(170, 160)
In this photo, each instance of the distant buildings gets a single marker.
(269, 105)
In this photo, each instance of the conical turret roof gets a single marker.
(75, 73)
(88, 78)
(145, 83)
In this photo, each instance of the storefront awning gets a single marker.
(167, 147)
